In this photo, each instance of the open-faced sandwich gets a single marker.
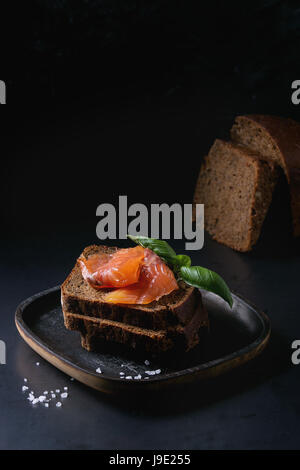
(145, 297)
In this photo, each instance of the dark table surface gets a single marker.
(256, 406)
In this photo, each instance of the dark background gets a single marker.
(106, 98)
(124, 97)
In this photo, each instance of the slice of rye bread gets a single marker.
(236, 189)
(96, 331)
(77, 296)
(277, 139)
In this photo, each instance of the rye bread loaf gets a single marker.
(96, 331)
(77, 296)
(277, 139)
(236, 189)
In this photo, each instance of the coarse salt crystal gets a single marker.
(25, 380)
(122, 373)
(37, 363)
(46, 393)
(64, 395)
(150, 372)
(99, 371)
(72, 378)
(65, 388)
(47, 405)
(42, 398)
(158, 371)
(146, 378)
(128, 377)
(24, 388)
(138, 377)
(30, 397)
(57, 390)
(53, 395)
(147, 363)
(58, 404)
(36, 400)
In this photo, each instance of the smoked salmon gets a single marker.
(156, 279)
(119, 269)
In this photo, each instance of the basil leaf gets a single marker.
(182, 260)
(203, 278)
(195, 276)
(160, 247)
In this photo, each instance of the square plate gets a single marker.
(236, 336)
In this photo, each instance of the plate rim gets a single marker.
(233, 360)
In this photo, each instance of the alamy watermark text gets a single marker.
(159, 221)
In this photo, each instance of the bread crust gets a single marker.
(284, 135)
(94, 331)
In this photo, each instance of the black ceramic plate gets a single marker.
(236, 336)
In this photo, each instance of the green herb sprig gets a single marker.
(195, 276)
